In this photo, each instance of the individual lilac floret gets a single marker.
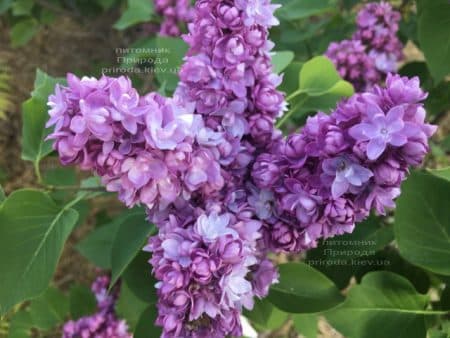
(205, 274)
(347, 175)
(381, 130)
(104, 323)
(341, 166)
(354, 64)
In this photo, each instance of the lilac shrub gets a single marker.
(219, 181)
(374, 49)
(102, 324)
(341, 166)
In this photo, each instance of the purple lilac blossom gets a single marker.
(144, 148)
(375, 137)
(354, 64)
(174, 13)
(104, 323)
(377, 26)
(374, 49)
(202, 266)
(189, 159)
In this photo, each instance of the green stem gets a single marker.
(72, 187)
(37, 171)
(294, 94)
(73, 202)
(291, 111)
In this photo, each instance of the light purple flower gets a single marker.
(347, 175)
(381, 130)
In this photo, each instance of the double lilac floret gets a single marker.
(341, 166)
(104, 323)
(374, 49)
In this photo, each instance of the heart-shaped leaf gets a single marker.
(33, 230)
(318, 77)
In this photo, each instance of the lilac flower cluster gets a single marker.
(149, 149)
(378, 24)
(102, 324)
(374, 49)
(203, 267)
(343, 165)
(174, 13)
(188, 158)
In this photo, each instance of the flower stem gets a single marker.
(291, 111)
(37, 171)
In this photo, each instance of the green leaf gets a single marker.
(139, 279)
(337, 257)
(146, 327)
(22, 7)
(266, 316)
(300, 9)
(23, 31)
(96, 247)
(422, 224)
(318, 77)
(128, 242)
(34, 117)
(390, 260)
(175, 50)
(92, 182)
(291, 78)
(383, 305)
(137, 11)
(302, 289)
(60, 176)
(442, 173)
(281, 59)
(33, 230)
(319, 88)
(433, 28)
(306, 325)
(129, 307)
(420, 69)
(81, 302)
(20, 325)
(438, 100)
(49, 309)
